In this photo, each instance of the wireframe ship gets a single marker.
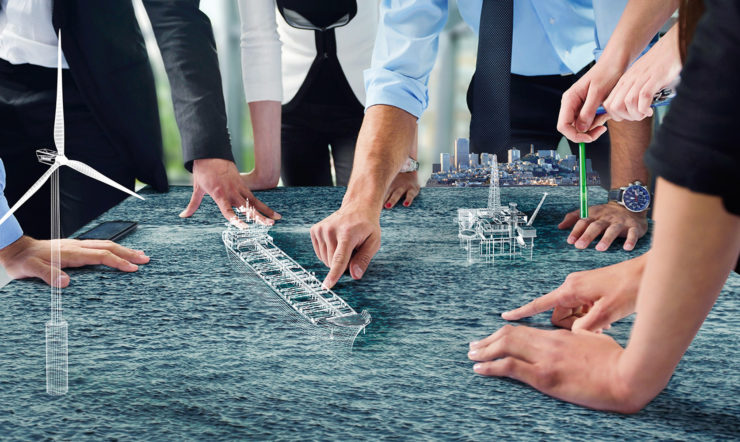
(496, 231)
(251, 249)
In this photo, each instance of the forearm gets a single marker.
(629, 142)
(385, 141)
(266, 117)
(695, 246)
(640, 21)
(185, 39)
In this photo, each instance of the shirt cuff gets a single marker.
(394, 89)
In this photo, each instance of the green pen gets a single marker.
(582, 180)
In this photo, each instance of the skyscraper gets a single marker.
(462, 154)
(514, 155)
(444, 161)
(473, 160)
(546, 153)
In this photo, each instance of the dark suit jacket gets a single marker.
(108, 60)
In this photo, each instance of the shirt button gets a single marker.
(552, 20)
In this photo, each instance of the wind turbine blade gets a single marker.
(36, 186)
(59, 115)
(94, 174)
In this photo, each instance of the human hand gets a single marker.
(404, 184)
(612, 220)
(579, 367)
(633, 95)
(348, 237)
(30, 258)
(577, 119)
(220, 179)
(591, 300)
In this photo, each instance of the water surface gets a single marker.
(186, 349)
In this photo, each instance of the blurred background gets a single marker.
(446, 118)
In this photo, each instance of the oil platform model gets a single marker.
(496, 231)
(251, 250)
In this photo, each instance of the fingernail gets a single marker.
(278, 216)
(324, 285)
(387, 205)
(581, 245)
(357, 270)
(141, 252)
(182, 214)
(133, 267)
(61, 279)
(472, 353)
(472, 344)
(406, 203)
(477, 367)
(571, 239)
(600, 247)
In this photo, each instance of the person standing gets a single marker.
(111, 116)
(529, 53)
(317, 77)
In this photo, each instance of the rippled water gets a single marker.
(185, 348)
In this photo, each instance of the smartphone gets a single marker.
(111, 230)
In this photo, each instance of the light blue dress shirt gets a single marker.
(550, 37)
(10, 230)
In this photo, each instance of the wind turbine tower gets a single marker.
(57, 368)
(494, 195)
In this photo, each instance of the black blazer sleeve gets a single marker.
(185, 39)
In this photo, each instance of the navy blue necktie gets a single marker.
(490, 122)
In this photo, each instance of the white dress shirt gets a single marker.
(27, 34)
(274, 73)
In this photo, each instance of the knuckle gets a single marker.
(508, 365)
(546, 377)
(507, 330)
(338, 257)
(362, 259)
(573, 280)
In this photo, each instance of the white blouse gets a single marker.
(263, 30)
(27, 34)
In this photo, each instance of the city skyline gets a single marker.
(545, 167)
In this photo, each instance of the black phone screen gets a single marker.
(111, 230)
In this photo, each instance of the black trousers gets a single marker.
(27, 104)
(534, 106)
(308, 131)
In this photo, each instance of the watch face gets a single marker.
(636, 198)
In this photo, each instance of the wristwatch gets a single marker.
(635, 197)
(411, 165)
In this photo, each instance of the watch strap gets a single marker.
(616, 195)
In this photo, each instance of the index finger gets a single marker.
(539, 305)
(339, 262)
(567, 115)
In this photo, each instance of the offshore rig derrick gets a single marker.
(496, 231)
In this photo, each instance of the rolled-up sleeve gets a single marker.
(260, 47)
(405, 52)
(10, 230)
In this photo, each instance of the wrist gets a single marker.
(365, 194)
(615, 60)
(12, 250)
